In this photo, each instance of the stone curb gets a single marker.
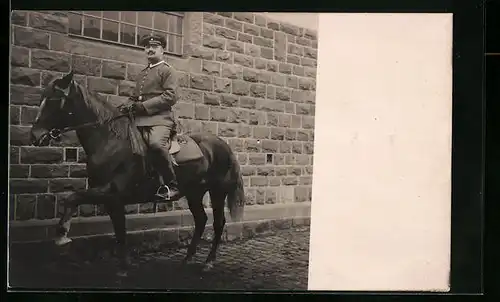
(152, 240)
(174, 226)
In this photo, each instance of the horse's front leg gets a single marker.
(70, 205)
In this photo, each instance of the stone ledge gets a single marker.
(166, 224)
(150, 241)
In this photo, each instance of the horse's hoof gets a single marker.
(62, 241)
(187, 261)
(208, 266)
(122, 274)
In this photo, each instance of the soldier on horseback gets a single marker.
(151, 104)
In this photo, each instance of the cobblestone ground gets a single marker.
(276, 261)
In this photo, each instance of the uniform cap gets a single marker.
(153, 39)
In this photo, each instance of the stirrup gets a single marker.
(171, 158)
(173, 161)
(163, 196)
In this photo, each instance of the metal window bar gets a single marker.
(136, 30)
(82, 24)
(101, 27)
(153, 22)
(119, 28)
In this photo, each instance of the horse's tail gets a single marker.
(236, 193)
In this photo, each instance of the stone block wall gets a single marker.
(243, 77)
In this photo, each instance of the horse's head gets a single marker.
(57, 108)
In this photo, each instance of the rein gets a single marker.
(56, 133)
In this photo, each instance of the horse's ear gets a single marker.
(66, 80)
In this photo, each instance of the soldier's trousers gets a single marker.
(159, 142)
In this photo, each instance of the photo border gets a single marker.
(468, 115)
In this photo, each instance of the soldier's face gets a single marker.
(154, 51)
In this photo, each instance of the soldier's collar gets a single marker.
(156, 64)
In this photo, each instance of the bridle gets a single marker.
(56, 133)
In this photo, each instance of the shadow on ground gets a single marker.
(276, 261)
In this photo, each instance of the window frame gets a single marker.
(136, 26)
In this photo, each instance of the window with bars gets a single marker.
(127, 27)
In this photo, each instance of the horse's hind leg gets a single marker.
(116, 212)
(217, 198)
(70, 205)
(195, 201)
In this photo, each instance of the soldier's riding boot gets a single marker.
(169, 189)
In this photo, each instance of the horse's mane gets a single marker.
(104, 112)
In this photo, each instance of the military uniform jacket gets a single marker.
(156, 88)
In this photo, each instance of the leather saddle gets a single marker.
(184, 149)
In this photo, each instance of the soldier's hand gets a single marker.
(138, 108)
(126, 108)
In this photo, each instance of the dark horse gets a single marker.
(119, 175)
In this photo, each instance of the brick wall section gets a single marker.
(245, 78)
